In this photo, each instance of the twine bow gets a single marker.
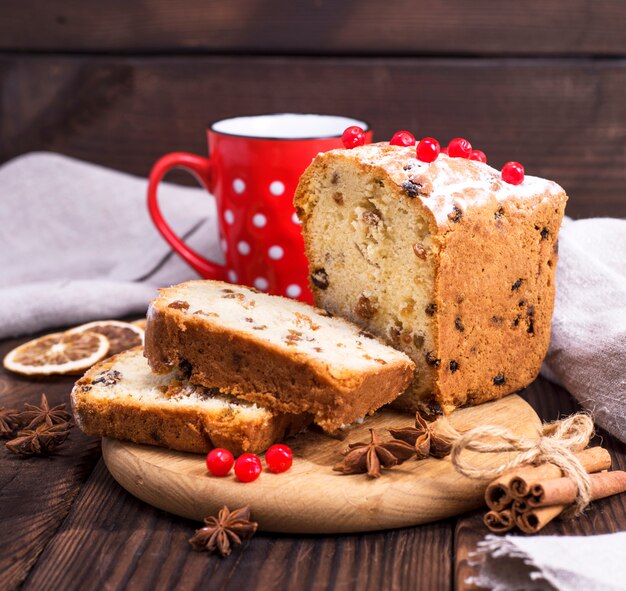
(557, 444)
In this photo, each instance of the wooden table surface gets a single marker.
(66, 524)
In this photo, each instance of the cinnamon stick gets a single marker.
(518, 507)
(516, 484)
(532, 520)
(593, 459)
(499, 522)
(549, 499)
(498, 493)
(562, 491)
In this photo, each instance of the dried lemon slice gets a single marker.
(58, 353)
(121, 335)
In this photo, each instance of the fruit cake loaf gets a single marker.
(122, 398)
(278, 352)
(443, 260)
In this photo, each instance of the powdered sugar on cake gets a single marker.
(449, 182)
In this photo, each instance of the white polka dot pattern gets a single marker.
(255, 231)
(261, 283)
(277, 188)
(293, 290)
(239, 186)
(259, 220)
(276, 252)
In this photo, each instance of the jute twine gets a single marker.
(557, 443)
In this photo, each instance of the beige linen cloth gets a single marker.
(548, 563)
(77, 242)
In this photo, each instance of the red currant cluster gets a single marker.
(278, 458)
(428, 149)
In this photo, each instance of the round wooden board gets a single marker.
(311, 498)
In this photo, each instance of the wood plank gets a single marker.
(563, 119)
(602, 517)
(112, 540)
(407, 27)
(36, 493)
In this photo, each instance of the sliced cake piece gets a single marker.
(278, 352)
(122, 398)
(443, 260)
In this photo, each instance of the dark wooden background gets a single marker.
(122, 82)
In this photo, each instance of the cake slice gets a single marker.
(122, 398)
(443, 260)
(275, 351)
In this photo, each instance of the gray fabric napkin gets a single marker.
(546, 563)
(77, 242)
(588, 343)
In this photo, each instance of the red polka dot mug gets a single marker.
(252, 170)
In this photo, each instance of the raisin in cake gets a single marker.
(122, 398)
(283, 354)
(445, 261)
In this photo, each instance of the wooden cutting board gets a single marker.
(311, 498)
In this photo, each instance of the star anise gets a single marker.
(9, 422)
(371, 457)
(426, 438)
(33, 415)
(225, 531)
(40, 441)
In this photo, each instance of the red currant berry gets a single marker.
(352, 137)
(219, 461)
(444, 151)
(513, 173)
(279, 458)
(478, 155)
(428, 149)
(402, 138)
(247, 467)
(459, 148)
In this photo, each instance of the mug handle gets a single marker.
(201, 168)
